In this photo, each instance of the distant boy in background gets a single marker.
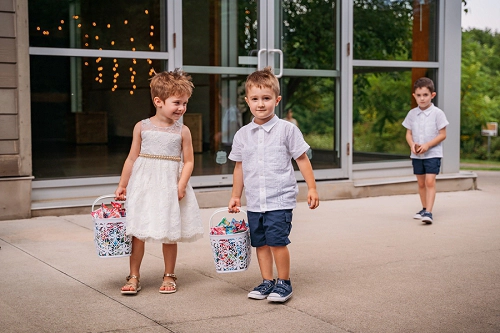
(425, 131)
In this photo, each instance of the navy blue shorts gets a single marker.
(270, 228)
(427, 165)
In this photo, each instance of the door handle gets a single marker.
(281, 61)
(259, 67)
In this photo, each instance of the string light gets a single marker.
(100, 69)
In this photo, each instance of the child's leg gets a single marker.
(421, 180)
(135, 262)
(430, 191)
(282, 259)
(265, 258)
(169, 258)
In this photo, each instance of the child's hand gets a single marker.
(423, 148)
(415, 148)
(312, 198)
(121, 193)
(181, 193)
(234, 203)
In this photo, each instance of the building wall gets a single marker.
(15, 132)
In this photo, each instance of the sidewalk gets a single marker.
(360, 265)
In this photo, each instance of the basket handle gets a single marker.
(106, 196)
(223, 209)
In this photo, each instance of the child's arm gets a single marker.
(409, 139)
(428, 145)
(308, 174)
(135, 149)
(188, 157)
(235, 200)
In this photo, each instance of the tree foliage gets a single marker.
(480, 91)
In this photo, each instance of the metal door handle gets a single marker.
(281, 61)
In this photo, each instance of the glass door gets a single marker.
(223, 41)
(302, 45)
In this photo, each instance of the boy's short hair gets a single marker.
(263, 79)
(424, 82)
(174, 83)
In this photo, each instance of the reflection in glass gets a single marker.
(313, 107)
(382, 98)
(395, 30)
(308, 34)
(86, 126)
(96, 25)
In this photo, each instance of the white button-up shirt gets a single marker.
(266, 153)
(425, 126)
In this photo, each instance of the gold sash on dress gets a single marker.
(162, 157)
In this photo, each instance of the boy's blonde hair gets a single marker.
(263, 79)
(175, 83)
(424, 82)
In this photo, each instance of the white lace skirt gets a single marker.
(154, 212)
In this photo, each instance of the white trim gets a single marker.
(218, 70)
(346, 57)
(395, 63)
(67, 52)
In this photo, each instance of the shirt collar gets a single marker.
(426, 111)
(267, 126)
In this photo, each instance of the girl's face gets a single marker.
(262, 102)
(172, 109)
(424, 97)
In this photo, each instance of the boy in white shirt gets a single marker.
(425, 132)
(263, 150)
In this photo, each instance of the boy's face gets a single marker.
(424, 97)
(172, 108)
(262, 102)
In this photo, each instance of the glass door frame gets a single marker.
(268, 17)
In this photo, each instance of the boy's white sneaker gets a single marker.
(419, 215)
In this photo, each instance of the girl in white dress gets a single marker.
(161, 204)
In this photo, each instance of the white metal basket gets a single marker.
(110, 238)
(232, 252)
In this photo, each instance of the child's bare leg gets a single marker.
(430, 191)
(169, 258)
(135, 262)
(282, 259)
(422, 190)
(265, 258)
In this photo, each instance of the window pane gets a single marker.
(312, 101)
(308, 36)
(395, 30)
(94, 24)
(83, 111)
(382, 98)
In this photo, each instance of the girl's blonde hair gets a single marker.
(263, 79)
(175, 83)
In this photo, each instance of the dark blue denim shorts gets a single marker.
(270, 228)
(427, 165)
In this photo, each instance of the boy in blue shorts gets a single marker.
(263, 152)
(425, 131)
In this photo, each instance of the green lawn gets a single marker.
(467, 164)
